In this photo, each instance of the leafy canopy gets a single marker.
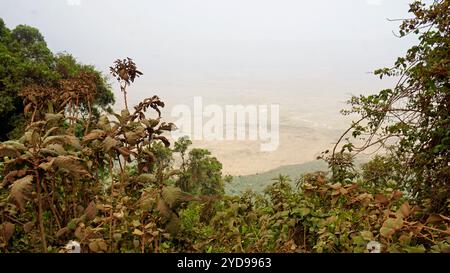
(416, 112)
(25, 60)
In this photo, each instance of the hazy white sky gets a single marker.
(187, 47)
(308, 56)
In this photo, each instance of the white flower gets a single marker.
(373, 247)
(72, 247)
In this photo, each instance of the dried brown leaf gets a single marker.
(71, 164)
(109, 143)
(94, 134)
(9, 151)
(7, 230)
(91, 211)
(13, 175)
(20, 190)
(28, 226)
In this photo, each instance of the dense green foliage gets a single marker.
(25, 60)
(110, 181)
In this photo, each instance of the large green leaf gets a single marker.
(174, 196)
(174, 225)
(147, 178)
(164, 211)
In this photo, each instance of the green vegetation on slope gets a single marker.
(258, 182)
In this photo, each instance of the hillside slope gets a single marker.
(258, 182)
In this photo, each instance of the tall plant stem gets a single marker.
(41, 221)
(111, 215)
(122, 173)
(51, 204)
(124, 90)
(89, 119)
